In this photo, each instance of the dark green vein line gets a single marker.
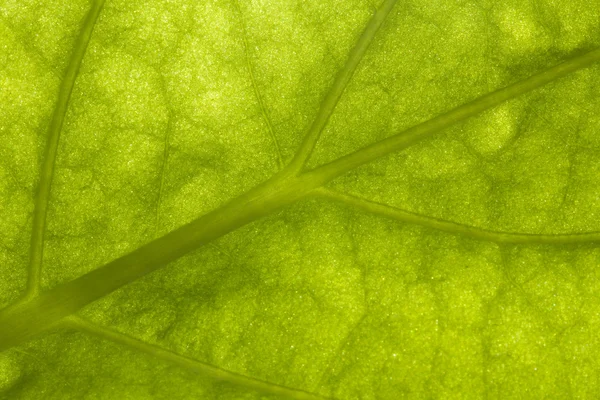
(162, 173)
(474, 232)
(188, 363)
(411, 136)
(47, 172)
(29, 47)
(259, 98)
(340, 347)
(339, 85)
(28, 319)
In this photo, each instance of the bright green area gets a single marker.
(455, 257)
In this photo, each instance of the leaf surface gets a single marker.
(463, 265)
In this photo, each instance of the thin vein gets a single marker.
(339, 85)
(28, 46)
(47, 172)
(412, 136)
(474, 232)
(189, 364)
(163, 173)
(259, 98)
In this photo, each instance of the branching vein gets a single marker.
(43, 311)
(188, 363)
(259, 98)
(23, 321)
(339, 85)
(419, 132)
(474, 232)
(47, 172)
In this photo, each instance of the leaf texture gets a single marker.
(299, 199)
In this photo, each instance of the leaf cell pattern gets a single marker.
(295, 181)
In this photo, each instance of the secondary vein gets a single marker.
(474, 232)
(339, 85)
(189, 363)
(412, 136)
(162, 173)
(25, 320)
(259, 98)
(42, 198)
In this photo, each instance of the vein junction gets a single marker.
(42, 311)
(36, 248)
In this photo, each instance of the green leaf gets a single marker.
(306, 200)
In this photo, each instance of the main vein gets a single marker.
(339, 85)
(36, 249)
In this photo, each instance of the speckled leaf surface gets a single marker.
(457, 260)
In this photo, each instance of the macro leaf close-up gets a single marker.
(299, 199)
